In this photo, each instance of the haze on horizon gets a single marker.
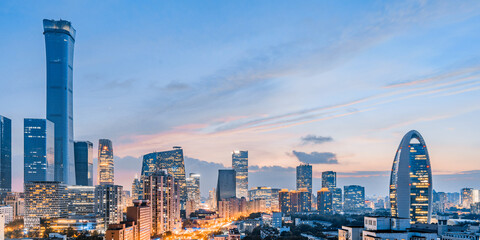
(331, 84)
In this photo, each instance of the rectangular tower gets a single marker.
(108, 205)
(83, 163)
(105, 162)
(39, 150)
(329, 179)
(59, 44)
(44, 200)
(304, 177)
(226, 187)
(240, 165)
(5, 154)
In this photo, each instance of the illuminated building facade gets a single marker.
(240, 165)
(193, 189)
(136, 189)
(353, 198)
(325, 201)
(59, 44)
(467, 197)
(226, 186)
(105, 162)
(329, 179)
(5, 154)
(304, 177)
(284, 201)
(44, 200)
(337, 202)
(108, 205)
(39, 150)
(81, 200)
(171, 160)
(270, 195)
(141, 214)
(122, 231)
(411, 180)
(162, 191)
(83, 163)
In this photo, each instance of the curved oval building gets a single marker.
(411, 180)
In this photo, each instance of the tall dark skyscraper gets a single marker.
(329, 179)
(5, 154)
(83, 163)
(411, 180)
(105, 162)
(59, 44)
(240, 165)
(304, 177)
(39, 150)
(173, 162)
(226, 186)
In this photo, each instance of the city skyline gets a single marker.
(438, 99)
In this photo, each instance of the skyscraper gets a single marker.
(105, 162)
(83, 163)
(329, 179)
(284, 201)
(240, 165)
(193, 189)
(39, 150)
(325, 201)
(304, 177)
(174, 163)
(161, 189)
(411, 180)
(108, 205)
(467, 197)
(226, 187)
(337, 203)
(5, 154)
(59, 44)
(353, 198)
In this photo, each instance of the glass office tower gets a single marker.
(173, 162)
(329, 179)
(240, 165)
(5, 154)
(59, 43)
(226, 187)
(105, 162)
(39, 150)
(411, 180)
(304, 177)
(353, 198)
(83, 163)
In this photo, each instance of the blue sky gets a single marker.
(262, 76)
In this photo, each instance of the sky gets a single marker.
(331, 83)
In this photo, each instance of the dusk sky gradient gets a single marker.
(335, 84)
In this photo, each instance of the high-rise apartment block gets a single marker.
(240, 165)
(83, 163)
(108, 205)
(162, 191)
(411, 180)
(325, 201)
(141, 214)
(5, 154)
(105, 162)
(59, 44)
(467, 197)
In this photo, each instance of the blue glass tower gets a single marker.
(353, 198)
(39, 150)
(59, 43)
(411, 180)
(83, 163)
(240, 165)
(5, 154)
(226, 186)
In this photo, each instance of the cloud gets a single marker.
(313, 139)
(176, 86)
(208, 173)
(316, 157)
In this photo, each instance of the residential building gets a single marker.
(325, 201)
(122, 231)
(7, 212)
(141, 214)
(467, 197)
(193, 189)
(108, 205)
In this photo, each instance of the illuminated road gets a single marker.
(202, 233)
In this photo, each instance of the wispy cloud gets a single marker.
(316, 157)
(314, 139)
